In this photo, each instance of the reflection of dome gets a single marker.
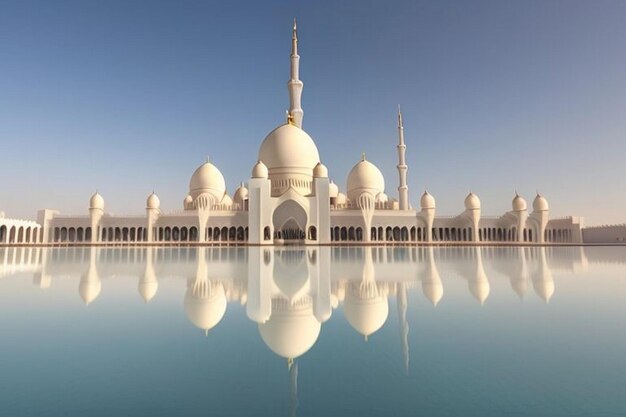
(291, 331)
(241, 194)
(333, 190)
(207, 179)
(540, 203)
(472, 202)
(433, 290)
(89, 290)
(206, 312)
(153, 201)
(320, 171)
(288, 146)
(259, 170)
(427, 201)
(366, 316)
(148, 289)
(479, 289)
(96, 201)
(518, 203)
(365, 177)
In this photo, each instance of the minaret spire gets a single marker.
(403, 188)
(294, 85)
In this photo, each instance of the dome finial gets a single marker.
(289, 117)
(208, 159)
(289, 363)
(362, 156)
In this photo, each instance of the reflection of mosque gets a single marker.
(291, 291)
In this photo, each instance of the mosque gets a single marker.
(289, 199)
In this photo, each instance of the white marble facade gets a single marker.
(289, 198)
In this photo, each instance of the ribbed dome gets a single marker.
(472, 202)
(153, 201)
(290, 333)
(96, 201)
(320, 171)
(427, 201)
(366, 316)
(288, 146)
(333, 190)
(241, 194)
(259, 170)
(365, 177)
(518, 203)
(207, 179)
(540, 203)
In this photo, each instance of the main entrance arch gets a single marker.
(290, 220)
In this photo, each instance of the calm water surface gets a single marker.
(313, 332)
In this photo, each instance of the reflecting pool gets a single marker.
(313, 331)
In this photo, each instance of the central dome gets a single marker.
(289, 148)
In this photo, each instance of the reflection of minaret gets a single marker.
(90, 284)
(478, 284)
(365, 305)
(205, 301)
(542, 279)
(431, 282)
(401, 298)
(293, 388)
(148, 284)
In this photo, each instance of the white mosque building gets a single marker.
(289, 199)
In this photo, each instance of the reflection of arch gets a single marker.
(289, 220)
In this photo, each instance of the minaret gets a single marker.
(403, 189)
(295, 85)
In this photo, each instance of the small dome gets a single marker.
(333, 190)
(226, 200)
(153, 201)
(259, 170)
(96, 201)
(518, 203)
(365, 177)
(241, 194)
(341, 199)
(288, 146)
(427, 201)
(366, 316)
(290, 333)
(472, 202)
(540, 203)
(207, 179)
(320, 171)
(382, 198)
(187, 202)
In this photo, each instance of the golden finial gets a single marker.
(289, 118)
(289, 363)
(362, 156)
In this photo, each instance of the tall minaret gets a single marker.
(403, 189)
(295, 85)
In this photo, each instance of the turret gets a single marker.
(153, 209)
(427, 214)
(472, 211)
(541, 212)
(519, 211)
(96, 211)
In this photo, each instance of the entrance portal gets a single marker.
(290, 221)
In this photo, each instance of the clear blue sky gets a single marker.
(126, 97)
